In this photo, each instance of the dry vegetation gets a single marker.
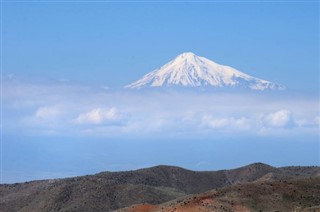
(165, 188)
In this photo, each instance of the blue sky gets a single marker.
(58, 58)
(116, 43)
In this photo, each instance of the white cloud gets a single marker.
(242, 123)
(281, 118)
(43, 107)
(45, 120)
(98, 116)
(215, 122)
(47, 113)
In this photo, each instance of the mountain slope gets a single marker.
(190, 70)
(293, 195)
(113, 190)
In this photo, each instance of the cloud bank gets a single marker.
(79, 110)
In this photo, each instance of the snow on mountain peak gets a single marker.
(186, 55)
(190, 70)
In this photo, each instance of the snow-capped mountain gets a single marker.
(190, 70)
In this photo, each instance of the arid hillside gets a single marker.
(109, 191)
(292, 195)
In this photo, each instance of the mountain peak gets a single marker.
(186, 55)
(190, 70)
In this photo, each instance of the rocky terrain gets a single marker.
(254, 187)
(292, 195)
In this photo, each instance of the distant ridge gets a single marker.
(108, 191)
(190, 70)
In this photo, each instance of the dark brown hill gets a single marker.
(108, 191)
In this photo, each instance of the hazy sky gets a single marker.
(61, 61)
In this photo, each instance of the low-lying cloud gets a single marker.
(98, 116)
(242, 123)
(47, 113)
(81, 110)
(281, 118)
